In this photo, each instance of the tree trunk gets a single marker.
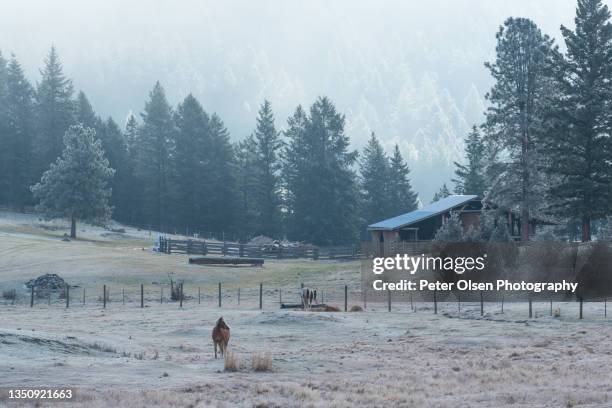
(586, 228)
(524, 225)
(73, 228)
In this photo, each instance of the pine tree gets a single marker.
(402, 198)
(115, 148)
(471, 176)
(18, 135)
(131, 212)
(131, 133)
(153, 166)
(580, 147)
(54, 110)
(440, 194)
(193, 158)
(266, 167)
(322, 191)
(375, 183)
(515, 120)
(222, 202)
(76, 185)
(84, 113)
(247, 185)
(4, 136)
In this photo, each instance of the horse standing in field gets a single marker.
(308, 297)
(221, 336)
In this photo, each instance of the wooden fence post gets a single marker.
(169, 245)
(280, 296)
(141, 295)
(161, 296)
(459, 301)
(32, 297)
(181, 296)
(49, 297)
(261, 296)
(530, 308)
(605, 307)
(123, 295)
(219, 294)
(388, 300)
(551, 307)
(502, 304)
(580, 307)
(345, 298)
(365, 297)
(103, 296)
(199, 297)
(67, 296)
(238, 295)
(435, 302)
(481, 304)
(411, 304)
(241, 250)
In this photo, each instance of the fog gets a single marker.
(410, 71)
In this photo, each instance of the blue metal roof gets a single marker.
(441, 206)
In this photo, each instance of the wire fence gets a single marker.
(330, 297)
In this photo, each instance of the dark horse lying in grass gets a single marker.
(221, 336)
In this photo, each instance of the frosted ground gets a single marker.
(162, 355)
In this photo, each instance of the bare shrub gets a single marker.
(331, 309)
(231, 363)
(261, 362)
(175, 290)
(9, 294)
(356, 308)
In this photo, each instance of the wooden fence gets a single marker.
(201, 247)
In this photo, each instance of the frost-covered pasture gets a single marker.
(162, 354)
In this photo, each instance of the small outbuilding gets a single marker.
(422, 224)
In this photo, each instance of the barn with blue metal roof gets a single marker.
(422, 224)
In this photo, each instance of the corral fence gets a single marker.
(168, 245)
(496, 305)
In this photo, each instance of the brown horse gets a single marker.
(221, 336)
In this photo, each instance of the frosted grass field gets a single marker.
(161, 355)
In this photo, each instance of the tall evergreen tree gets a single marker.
(131, 212)
(193, 157)
(471, 176)
(54, 110)
(115, 148)
(402, 198)
(321, 184)
(4, 137)
(440, 194)
(76, 185)
(515, 120)
(84, 113)
(581, 145)
(375, 183)
(18, 135)
(266, 168)
(153, 167)
(222, 202)
(247, 186)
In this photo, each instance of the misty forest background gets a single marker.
(542, 146)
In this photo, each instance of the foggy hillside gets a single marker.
(410, 71)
